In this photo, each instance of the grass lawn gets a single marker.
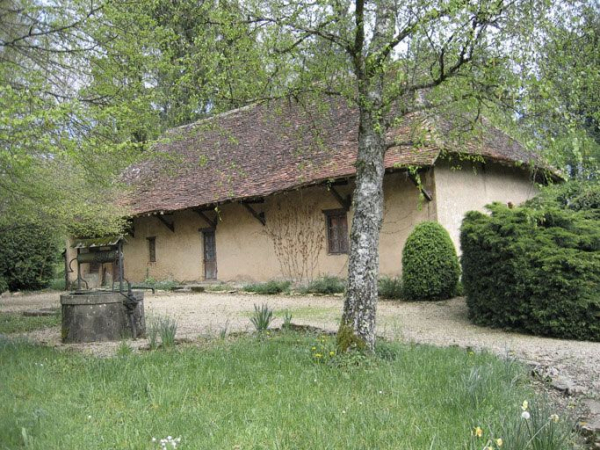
(304, 313)
(18, 323)
(282, 391)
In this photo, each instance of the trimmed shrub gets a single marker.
(430, 268)
(27, 257)
(536, 270)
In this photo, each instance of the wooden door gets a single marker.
(210, 255)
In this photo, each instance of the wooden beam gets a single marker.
(422, 189)
(345, 203)
(258, 216)
(170, 226)
(208, 220)
(256, 200)
(338, 183)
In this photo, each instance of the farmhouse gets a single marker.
(264, 192)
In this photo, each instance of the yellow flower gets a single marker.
(478, 432)
(331, 353)
(313, 348)
(554, 418)
(499, 442)
(525, 405)
(318, 355)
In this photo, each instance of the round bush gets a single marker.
(430, 268)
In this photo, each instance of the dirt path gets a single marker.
(440, 323)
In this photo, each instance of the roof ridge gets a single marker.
(216, 116)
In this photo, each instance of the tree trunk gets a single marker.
(357, 329)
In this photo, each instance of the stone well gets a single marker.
(91, 316)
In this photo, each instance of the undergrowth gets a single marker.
(325, 285)
(269, 288)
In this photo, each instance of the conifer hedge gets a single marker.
(430, 268)
(534, 268)
(27, 257)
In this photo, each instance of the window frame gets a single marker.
(342, 231)
(151, 249)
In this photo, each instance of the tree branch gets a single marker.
(50, 31)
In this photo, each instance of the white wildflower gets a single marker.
(525, 415)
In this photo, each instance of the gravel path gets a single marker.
(441, 323)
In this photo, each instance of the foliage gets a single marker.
(430, 268)
(167, 329)
(27, 256)
(152, 332)
(124, 349)
(347, 340)
(325, 285)
(163, 285)
(57, 284)
(274, 382)
(323, 349)
(224, 331)
(219, 287)
(272, 287)
(262, 317)
(532, 426)
(536, 270)
(18, 323)
(48, 137)
(390, 288)
(3, 285)
(573, 195)
(558, 107)
(164, 327)
(287, 320)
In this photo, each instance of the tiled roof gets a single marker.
(259, 150)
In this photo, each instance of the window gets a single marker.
(152, 249)
(337, 231)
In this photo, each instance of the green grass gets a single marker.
(18, 323)
(268, 393)
(313, 312)
(304, 312)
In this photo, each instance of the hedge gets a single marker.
(27, 257)
(430, 268)
(533, 269)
